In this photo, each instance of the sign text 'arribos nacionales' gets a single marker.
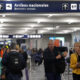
(40, 6)
(31, 5)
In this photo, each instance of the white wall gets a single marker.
(75, 35)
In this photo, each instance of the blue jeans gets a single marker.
(13, 77)
(52, 76)
(76, 77)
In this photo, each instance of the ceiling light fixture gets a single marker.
(1, 22)
(41, 20)
(64, 32)
(3, 15)
(8, 0)
(57, 27)
(71, 20)
(38, 22)
(50, 28)
(50, 15)
(42, 31)
(32, 26)
(26, 30)
(67, 31)
(75, 29)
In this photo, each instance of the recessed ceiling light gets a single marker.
(50, 28)
(8, 0)
(26, 30)
(38, 22)
(1, 21)
(1, 26)
(70, 22)
(50, 15)
(64, 32)
(0, 36)
(3, 15)
(57, 27)
(42, 31)
(32, 26)
(75, 29)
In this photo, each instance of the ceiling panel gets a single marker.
(40, 0)
(17, 23)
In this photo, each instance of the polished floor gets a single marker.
(37, 73)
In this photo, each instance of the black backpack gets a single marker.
(60, 65)
(38, 58)
(16, 62)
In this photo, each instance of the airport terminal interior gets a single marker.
(40, 28)
(34, 30)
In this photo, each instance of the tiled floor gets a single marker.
(37, 73)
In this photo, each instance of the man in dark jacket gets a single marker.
(11, 73)
(50, 60)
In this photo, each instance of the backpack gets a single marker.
(60, 65)
(38, 58)
(16, 62)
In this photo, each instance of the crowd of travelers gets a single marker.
(13, 59)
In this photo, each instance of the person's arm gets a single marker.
(5, 59)
(50, 58)
(73, 64)
(25, 56)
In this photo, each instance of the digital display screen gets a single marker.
(62, 40)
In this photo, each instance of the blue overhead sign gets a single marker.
(33, 36)
(39, 6)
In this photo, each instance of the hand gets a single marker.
(65, 53)
(3, 77)
(78, 65)
(58, 57)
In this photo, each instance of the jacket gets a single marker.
(5, 63)
(49, 61)
(73, 62)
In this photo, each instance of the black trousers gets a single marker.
(52, 76)
(76, 77)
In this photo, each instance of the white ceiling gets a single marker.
(39, 0)
(19, 23)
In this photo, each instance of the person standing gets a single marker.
(75, 62)
(50, 61)
(14, 63)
